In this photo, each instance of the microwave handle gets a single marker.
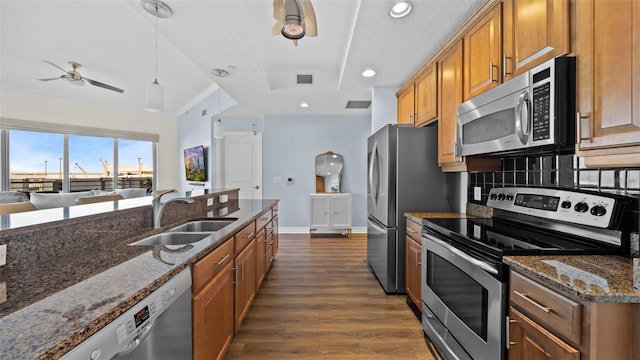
(457, 145)
(523, 100)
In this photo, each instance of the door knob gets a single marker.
(257, 187)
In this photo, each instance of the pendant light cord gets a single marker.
(156, 77)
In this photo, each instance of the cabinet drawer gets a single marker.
(210, 265)
(552, 310)
(244, 236)
(263, 219)
(414, 230)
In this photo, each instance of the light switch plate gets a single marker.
(3, 292)
(210, 214)
(3, 254)
(477, 193)
(209, 201)
(277, 180)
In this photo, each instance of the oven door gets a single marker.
(463, 297)
(496, 121)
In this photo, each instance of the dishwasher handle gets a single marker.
(138, 340)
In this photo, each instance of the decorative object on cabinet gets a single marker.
(329, 168)
(330, 212)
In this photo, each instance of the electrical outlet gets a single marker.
(3, 292)
(477, 193)
(277, 180)
(3, 254)
(223, 199)
(209, 201)
(210, 214)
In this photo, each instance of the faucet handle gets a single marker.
(159, 193)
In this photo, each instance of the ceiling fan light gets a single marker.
(293, 30)
(400, 9)
(155, 97)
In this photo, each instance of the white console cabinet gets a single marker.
(330, 212)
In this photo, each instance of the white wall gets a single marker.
(49, 109)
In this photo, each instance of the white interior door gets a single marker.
(242, 164)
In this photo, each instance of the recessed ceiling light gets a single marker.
(304, 105)
(368, 73)
(400, 9)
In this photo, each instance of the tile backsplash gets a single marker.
(561, 171)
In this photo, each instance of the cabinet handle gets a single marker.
(491, 66)
(504, 65)
(222, 260)
(584, 126)
(411, 230)
(533, 302)
(250, 235)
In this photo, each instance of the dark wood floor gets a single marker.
(321, 301)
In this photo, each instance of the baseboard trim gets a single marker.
(305, 230)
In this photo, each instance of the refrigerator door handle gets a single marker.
(374, 181)
(374, 224)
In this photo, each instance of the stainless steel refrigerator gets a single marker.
(403, 176)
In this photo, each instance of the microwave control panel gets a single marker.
(541, 111)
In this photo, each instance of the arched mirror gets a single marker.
(329, 168)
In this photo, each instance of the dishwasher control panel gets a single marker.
(126, 332)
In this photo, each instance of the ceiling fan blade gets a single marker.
(309, 18)
(54, 65)
(55, 78)
(276, 28)
(102, 85)
(278, 10)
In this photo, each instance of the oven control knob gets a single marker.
(598, 210)
(500, 197)
(509, 197)
(581, 207)
(492, 196)
(566, 204)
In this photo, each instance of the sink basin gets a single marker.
(171, 238)
(203, 225)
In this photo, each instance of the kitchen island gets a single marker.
(80, 274)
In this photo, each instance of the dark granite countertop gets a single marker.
(119, 277)
(594, 278)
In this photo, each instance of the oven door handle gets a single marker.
(481, 264)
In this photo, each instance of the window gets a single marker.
(135, 164)
(90, 162)
(35, 161)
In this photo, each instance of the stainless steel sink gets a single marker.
(203, 225)
(171, 238)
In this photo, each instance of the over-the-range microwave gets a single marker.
(531, 113)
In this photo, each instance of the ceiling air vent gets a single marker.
(358, 104)
(304, 79)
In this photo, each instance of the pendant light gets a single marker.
(218, 127)
(155, 91)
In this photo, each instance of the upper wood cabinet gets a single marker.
(406, 104)
(608, 55)
(450, 91)
(482, 53)
(426, 99)
(534, 31)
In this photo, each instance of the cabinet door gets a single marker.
(450, 96)
(608, 57)
(482, 49)
(261, 247)
(530, 341)
(534, 31)
(412, 270)
(341, 211)
(320, 207)
(406, 104)
(426, 98)
(245, 275)
(213, 317)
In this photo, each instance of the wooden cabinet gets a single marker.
(531, 341)
(244, 236)
(245, 281)
(608, 55)
(274, 228)
(331, 211)
(547, 324)
(406, 104)
(212, 304)
(260, 257)
(426, 95)
(413, 263)
(482, 51)
(533, 31)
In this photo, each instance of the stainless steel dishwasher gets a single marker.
(158, 327)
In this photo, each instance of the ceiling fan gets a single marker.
(75, 77)
(294, 19)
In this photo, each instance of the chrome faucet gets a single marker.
(158, 207)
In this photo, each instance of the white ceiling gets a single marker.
(114, 41)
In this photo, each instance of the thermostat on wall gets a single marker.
(290, 180)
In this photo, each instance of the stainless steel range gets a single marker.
(465, 282)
